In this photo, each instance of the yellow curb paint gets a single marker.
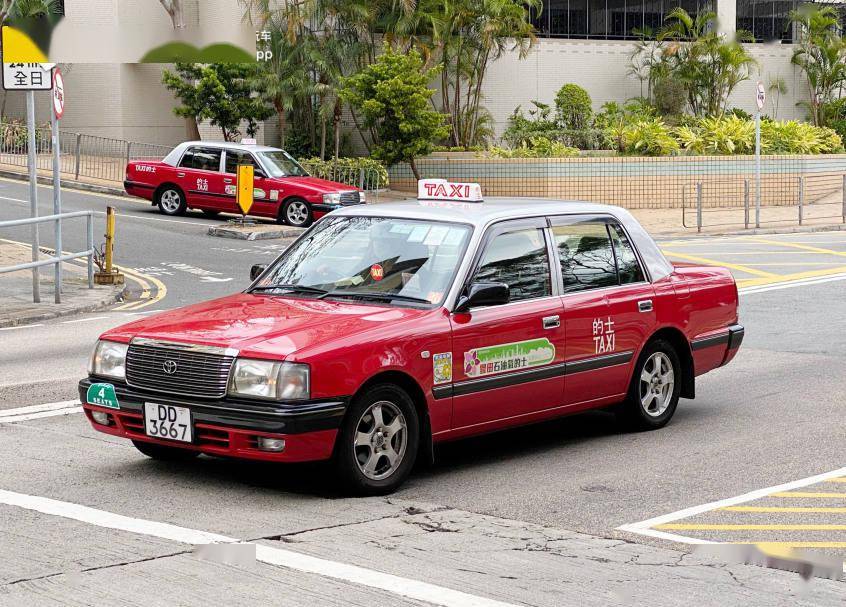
(794, 544)
(750, 527)
(724, 264)
(809, 494)
(808, 509)
(141, 278)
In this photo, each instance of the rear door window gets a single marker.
(586, 255)
(201, 159)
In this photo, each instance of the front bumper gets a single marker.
(230, 427)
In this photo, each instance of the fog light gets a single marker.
(271, 444)
(101, 418)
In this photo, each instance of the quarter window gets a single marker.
(586, 256)
(201, 158)
(518, 259)
(627, 264)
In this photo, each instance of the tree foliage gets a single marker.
(574, 107)
(821, 55)
(218, 92)
(393, 96)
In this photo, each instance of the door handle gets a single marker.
(180, 174)
(227, 180)
(551, 322)
(645, 305)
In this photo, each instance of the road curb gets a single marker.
(66, 183)
(837, 227)
(106, 301)
(226, 231)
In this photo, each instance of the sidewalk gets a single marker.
(16, 307)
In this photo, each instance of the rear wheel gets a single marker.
(377, 444)
(171, 201)
(164, 453)
(656, 385)
(297, 213)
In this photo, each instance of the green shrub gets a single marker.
(793, 137)
(723, 136)
(648, 137)
(573, 106)
(670, 96)
(740, 113)
(348, 170)
(536, 147)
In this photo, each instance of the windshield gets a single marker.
(376, 258)
(281, 164)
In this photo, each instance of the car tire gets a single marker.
(380, 425)
(163, 452)
(171, 201)
(655, 388)
(296, 213)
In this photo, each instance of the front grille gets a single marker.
(350, 197)
(197, 371)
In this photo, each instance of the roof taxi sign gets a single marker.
(441, 189)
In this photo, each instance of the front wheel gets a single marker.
(296, 213)
(171, 201)
(656, 385)
(377, 444)
(164, 453)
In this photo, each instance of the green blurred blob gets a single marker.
(173, 52)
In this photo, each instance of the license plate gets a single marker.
(168, 422)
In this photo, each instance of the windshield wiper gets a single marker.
(289, 287)
(375, 295)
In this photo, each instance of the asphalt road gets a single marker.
(528, 516)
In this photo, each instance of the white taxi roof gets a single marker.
(482, 214)
(176, 153)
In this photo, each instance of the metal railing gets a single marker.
(808, 198)
(364, 178)
(81, 155)
(59, 257)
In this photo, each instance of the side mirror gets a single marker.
(256, 270)
(484, 294)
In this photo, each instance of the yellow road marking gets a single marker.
(803, 264)
(814, 494)
(841, 479)
(751, 527)
(139, 277)
(820, 509)
(796, 245)
(779, 278)
(715, 262)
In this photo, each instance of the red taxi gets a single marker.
(385, 329)
(202, 175)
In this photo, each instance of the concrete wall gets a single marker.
(601, 68)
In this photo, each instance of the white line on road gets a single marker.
(21, 327)
(793, 283)
(22, 414)
(70, 322)
(409, 588)
(645, 527)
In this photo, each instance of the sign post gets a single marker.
(760, 98)
(58, 106)
(245, 187)
(30, 77)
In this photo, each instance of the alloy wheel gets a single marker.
(380, 440)
(296, 213)
(171, 201)
(657, 380)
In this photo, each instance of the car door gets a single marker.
(607, 306)
(265, 201)
(201, 179)
(508, 359)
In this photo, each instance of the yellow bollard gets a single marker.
(109, 276)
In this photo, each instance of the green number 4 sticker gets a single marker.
(102, 395)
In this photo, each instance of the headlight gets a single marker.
(270, 380)
(109, 360)
(333, 198)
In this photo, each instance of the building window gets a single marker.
(767, 20)
(608, 19)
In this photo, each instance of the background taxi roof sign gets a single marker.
(441, 189)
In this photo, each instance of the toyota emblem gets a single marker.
(169, 367)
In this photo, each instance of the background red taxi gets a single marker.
(386, 329)
(202, 175)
